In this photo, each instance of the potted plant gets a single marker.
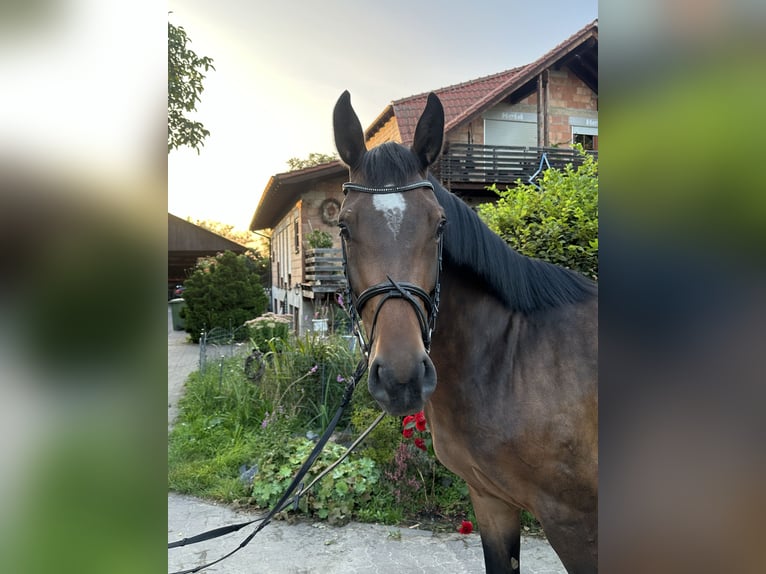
(319, 239)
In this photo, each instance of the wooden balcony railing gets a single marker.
(469, 163)
(323, 271)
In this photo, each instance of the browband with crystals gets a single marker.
(388, 189)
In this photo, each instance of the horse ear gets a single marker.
(349, 136)
(429, 133)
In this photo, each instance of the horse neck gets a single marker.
(467, 309)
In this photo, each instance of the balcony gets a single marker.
(486, 164)
(323, 270)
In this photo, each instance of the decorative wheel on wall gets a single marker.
(330, 209)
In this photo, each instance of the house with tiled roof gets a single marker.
(499, 129)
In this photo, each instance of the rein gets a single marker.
(295, 490)
(394, 289)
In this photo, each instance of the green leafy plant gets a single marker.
(185, 75)
(319, 239)
(268, 327)
(336, 498)
(557, 222)
(223, 291)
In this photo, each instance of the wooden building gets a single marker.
(187, 243)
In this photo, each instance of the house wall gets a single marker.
(569, 100)
(286, 268)
(472, 132)
(388, 133)
(288, 248)
(311, 212)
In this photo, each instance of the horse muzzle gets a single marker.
(401, 387)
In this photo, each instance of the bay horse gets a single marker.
(508, 375)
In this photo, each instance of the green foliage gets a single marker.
(314, 158)
(269, 326)
(382, 442)
(217, 431)
(556, 223)
(223, 291)
(185, 75)
(336, 498)
(319, 239)
(306, 378)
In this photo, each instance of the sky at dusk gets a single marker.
(280, 67)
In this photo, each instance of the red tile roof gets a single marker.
(456, 100)
(463, 101)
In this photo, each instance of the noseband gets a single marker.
(394, 289)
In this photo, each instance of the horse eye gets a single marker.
(440, 228)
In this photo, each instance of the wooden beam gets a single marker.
(540, 111)
(543, 138)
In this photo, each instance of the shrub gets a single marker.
(558, 222)
(223, 291)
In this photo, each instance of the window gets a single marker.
(586, 140)
(585, 132)
(297, 236)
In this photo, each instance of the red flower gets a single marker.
(409, 419)
(466, 527)
(420, 443)
(420, 421)
(407, 433)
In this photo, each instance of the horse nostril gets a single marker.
(375, 370)
(374, 381)
(428, 377)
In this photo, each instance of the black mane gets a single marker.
(521, 283)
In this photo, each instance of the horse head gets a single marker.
(391, 226)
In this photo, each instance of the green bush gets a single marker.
(223, 291)
(558, 222)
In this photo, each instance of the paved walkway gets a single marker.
(316, 548)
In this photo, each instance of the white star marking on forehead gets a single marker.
(392, 206)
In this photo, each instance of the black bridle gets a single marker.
(392, 289)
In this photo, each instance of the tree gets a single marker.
(223, 291)
(557, 222)
(185, 75)
(314, 158)
(258, 244)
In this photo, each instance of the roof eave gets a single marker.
(379, 122)
(269, 209)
